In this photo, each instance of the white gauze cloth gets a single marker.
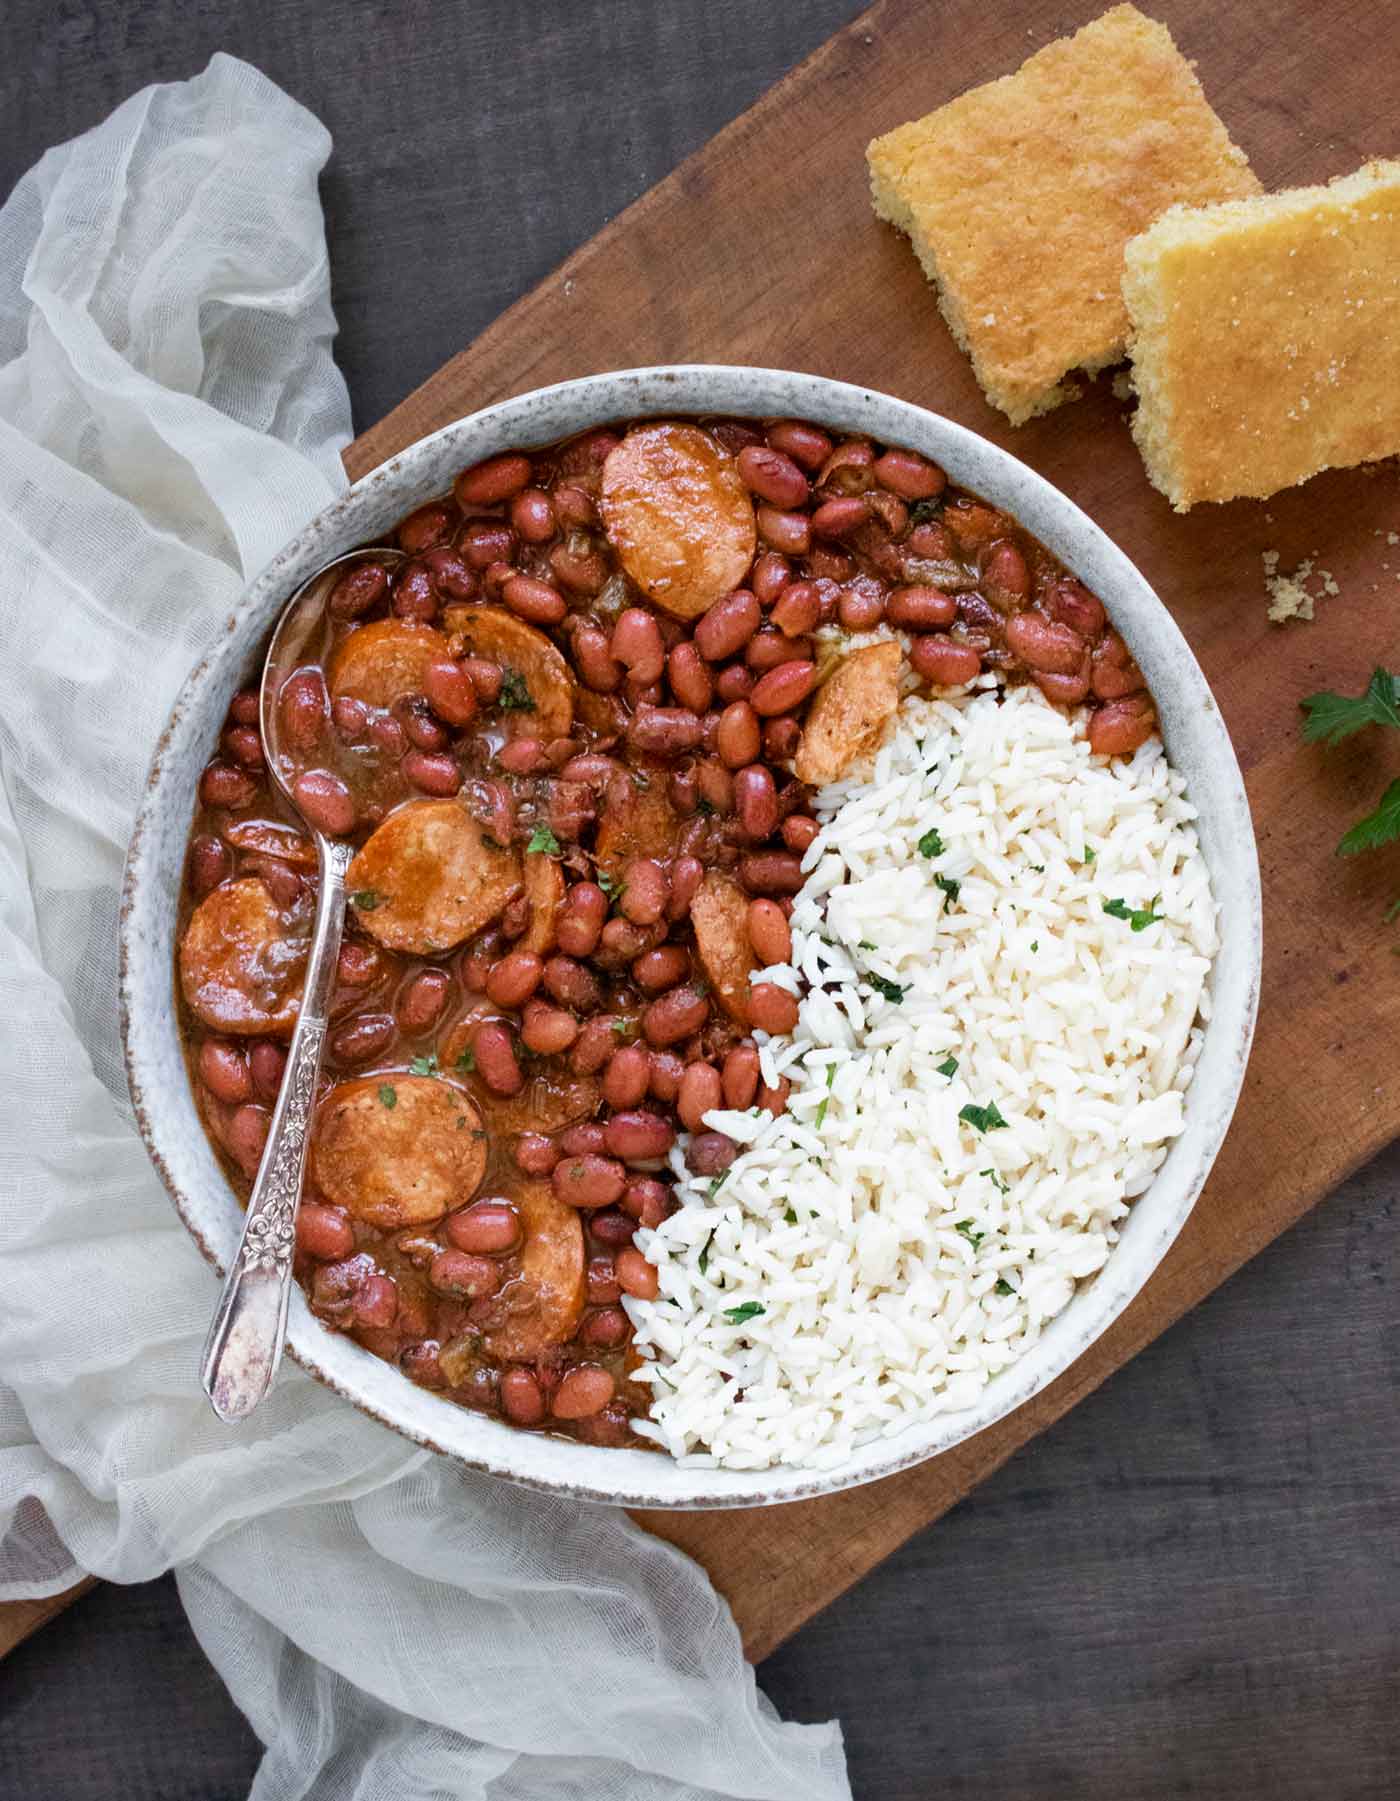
(393, 1626)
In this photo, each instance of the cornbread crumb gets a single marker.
(1123, 386)
(1289, 596)
(1019, 196)
(1313, 382)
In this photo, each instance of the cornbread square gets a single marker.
(1266, 337)
(1020, 196)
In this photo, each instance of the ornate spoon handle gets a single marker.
(244, 1346)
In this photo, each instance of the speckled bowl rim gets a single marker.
(1196, 739)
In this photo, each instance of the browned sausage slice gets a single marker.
(678, 516)
(398, 1150)
(552, 1268)
(540, 703)
(636, 822)
(544, 889)
(848, 713)
(381, 662)
(428, 878)
(719, 914)
(241, 962)
(269, 838)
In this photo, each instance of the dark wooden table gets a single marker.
(1191, 1586)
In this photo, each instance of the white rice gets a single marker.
(900, 1256)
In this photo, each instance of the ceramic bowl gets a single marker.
(1196, 740)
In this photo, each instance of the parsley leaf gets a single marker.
(705, 1252)
(891, 991)
(1332, 717)
(467, 1060)
(424, 1066)
(515, 693)
(986, 1119)
(746, 1310)
(1039, 868)
(790, 1216)
(964, 1226)
(542, 839)
(704, 807)
(1376, 829)
(1003, 1286)
(1004, 1187)
(716, 1183)
(1035, 944)
(931, 845)
(950, 885)
(609, 884)
(388, 1095)
(1139, 918)
(1392, 912)
(1089, 853)
(830, 1078)
(365, 900)
(948, 1067)
(923, 512)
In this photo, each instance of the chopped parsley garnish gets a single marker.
(703, 807)
(716, 1183)
(624, 1027)
(365, 900)
(830, 1078)
(515, 693)
(973, 1237)
(1139, 918)
(1003, 1286)
(641, 780)
(1331, 717)
(1039, 868)
(1089, 853)
(985, 1119)
(891, 991)
(388, 1095)
(609, 884)
(948, 1067)
(542, 839)
(1035, 944)
(865, 945)
(424, 1066)
(950, 885)
(931, 845)
(746, 1310)
(923, 512)
(705, 1252)
(790, 1216)
(1005, 1187)
(467, 1061)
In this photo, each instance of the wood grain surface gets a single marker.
(749, 253)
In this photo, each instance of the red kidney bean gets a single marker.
(223, 1069)
(266, 1063)
(325, 802)
(450, 572)
(642, 693)
(1004, 571)
(350, 717)
(798, 609)
(657, 970)
(769, 649)
(377, 1301)
(921, 609)
(245, 1135)
(536, 1154)
(861, 607)
(735, 682)
(534, 600)
(415, 597)
(581, 571)
(358, 965)
(596, 664)
(224, 785)
(1115, 674)
(605, 1330)
(367, 1035)
(944, 661)
(771, 573)
(849, 470)
(495, 576)
(1073, 605)
(739, 1076)
(676, 1015)
(324, 1232)
(625, 1078)
(245, 708)
(687, 873)
(893, 515)
(912, 477)
(771, 872)
(664, 1082)
(728, 625)
(646, 1200)
(645, 891)
(433, 773)
(783, 688)
(691, 682)
(790, 533)
(546, 1030)
(522, 1398)
(588, 1181)
(388, 735)
(420, 728)
(362, 587)
(574, 507)
(515, 978)
(799, 832)
(581, 917)
(716, 786)
(696, 839)
(781, 738)
(594, 1045)
(585, 1390)
(242, 745)
(211, 862)
(1120, 727)
(635, 1275)
(583, 1140)
(772, 476)
(775, 1100)
(637, 644)
(497, 479)
(636, 1136)
(496, 1061)
(571, 810)
(772, 1009)
(709, 1154)
(487, 542)
(603, 1285)
(700, 1093)
(840, 517)
(738, 735)
(283, 884)
(664, 731)
(521, 756)
(460, 1273)
(1043, 644)
(591, 768)
(450, 692)
(613, 1228)
(756, 802)
(572, 983)
(486, 678)
(427, 526)
(1065, 690)
(422, 1001)
(532, 515)
(419, 1362)
(488, 1228)
(805, 444)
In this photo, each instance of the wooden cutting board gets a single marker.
(762, 249)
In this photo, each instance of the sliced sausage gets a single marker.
(386, 660)
(241, 964)
(432, 877)
(848, 713)
(544, 889)
(636, 822)
(720, 914)
(267, 838)
(398, 1150)
(678, 516)
(516, 648)
(552, 1273)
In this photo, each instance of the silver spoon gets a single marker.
(244, 1346)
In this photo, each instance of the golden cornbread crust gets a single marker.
(1266, 337)
(1019, 197)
